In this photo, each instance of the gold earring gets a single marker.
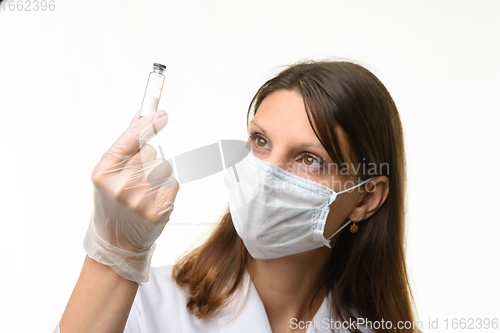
(354, 227)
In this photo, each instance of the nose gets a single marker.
(280, 160)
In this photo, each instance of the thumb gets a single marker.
(136, 117)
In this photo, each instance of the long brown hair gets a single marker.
(367, 271)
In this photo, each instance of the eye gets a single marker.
(259, 140)
(310, 160)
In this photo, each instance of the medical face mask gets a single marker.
(277, 213)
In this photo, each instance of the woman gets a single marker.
(326, 148)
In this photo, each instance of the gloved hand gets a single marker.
(133, 199)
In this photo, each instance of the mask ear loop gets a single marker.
(345, 224)
(339, 229)
(353, 187)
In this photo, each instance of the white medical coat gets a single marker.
(160, 307)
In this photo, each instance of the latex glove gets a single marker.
(133, 199)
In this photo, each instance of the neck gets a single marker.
(292, 286)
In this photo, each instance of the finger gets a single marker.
(136, 117)
(151, 174)
(150, 131)
(158, 172)
(168, 192)
(154, 175)
(146, 153)
(153, 201)
(135, 136)
(164, 201)
(140, 165)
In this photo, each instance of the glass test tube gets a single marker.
(152, 98)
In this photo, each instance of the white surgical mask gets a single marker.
(277, 213)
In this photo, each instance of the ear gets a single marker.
(374, 195)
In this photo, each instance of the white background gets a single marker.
(71, 80)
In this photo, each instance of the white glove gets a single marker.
(133, 198)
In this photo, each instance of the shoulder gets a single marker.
(161, 290)
(161, 285)
(160, 305)
(160, 278)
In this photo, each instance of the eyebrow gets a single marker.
(302, 144)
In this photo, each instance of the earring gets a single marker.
(354, 227)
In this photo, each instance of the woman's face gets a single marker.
(281, 134)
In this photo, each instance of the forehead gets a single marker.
(283, 112)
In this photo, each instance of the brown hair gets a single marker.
(367, 271)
